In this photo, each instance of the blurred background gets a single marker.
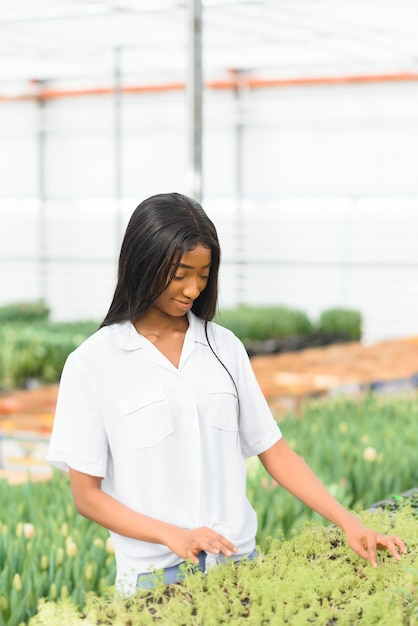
(295, 122)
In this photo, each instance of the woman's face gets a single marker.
(187, 284)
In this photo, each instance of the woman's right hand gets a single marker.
(187, 543)
(103, 509)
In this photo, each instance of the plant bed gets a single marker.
(397, 501)
(314, 578)
(294, 343)
(353, 446)
(291, 378)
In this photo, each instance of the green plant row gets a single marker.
(38, 350)
(251, 323)
(248, 322)
(258, 323)
(47, 550)
(24, 312)
(311, 579)
(35, 348)
(362, 450)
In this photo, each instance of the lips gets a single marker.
(186, 305)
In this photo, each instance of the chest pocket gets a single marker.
(147, 418)
(223, 407)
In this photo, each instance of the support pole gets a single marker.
(42, 239)
(239, 76)
(117, 141)
(194, 100)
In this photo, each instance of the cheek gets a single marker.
(170, 291)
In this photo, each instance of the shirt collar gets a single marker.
(128, 337)
(197, 328)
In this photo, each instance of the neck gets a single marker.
(156, 323)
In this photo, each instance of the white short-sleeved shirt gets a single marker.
(169, 442)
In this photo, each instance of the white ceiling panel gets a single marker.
(73, 41)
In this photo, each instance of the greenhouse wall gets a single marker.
(313, 190)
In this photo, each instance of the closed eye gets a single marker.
(205, 277)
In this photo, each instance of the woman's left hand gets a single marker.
(366, 542)
(291, 472)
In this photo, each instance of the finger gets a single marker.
(400, 544)
(359, 546)
(372, 550)
(221, 543)
(226, 544)
(392, 544)
(215, 547)
(193, 557)
(366, 547)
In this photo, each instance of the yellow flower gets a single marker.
(71, 549)
(64, 592)
(343, 428)
(365, 439)
(53, 591)
(44, 562)
(265, 483)
(29, 530)
(89, 572)
(252, 465)
(98, 542)
(60, 556)
(370, 454)
(17, 582)
(64, 529)
(110, 548)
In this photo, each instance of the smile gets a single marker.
(186, 305)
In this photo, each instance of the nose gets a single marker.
(191, 288)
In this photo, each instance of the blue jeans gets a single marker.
(176, 573)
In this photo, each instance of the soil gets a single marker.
(287, 381)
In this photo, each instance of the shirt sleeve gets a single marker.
(78, 437)
(258, 428)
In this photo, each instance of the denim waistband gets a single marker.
(176, 573)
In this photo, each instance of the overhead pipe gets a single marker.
(252, 82)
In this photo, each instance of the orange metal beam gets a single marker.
(232, 83)
(332, 80)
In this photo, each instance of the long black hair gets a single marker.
(161, 229)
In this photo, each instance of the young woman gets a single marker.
(159, 409)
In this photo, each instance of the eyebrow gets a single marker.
(191, 267)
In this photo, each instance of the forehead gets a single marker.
(198, 257)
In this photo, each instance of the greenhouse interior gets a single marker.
(294, 123)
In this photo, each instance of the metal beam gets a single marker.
(117, 139)
(194, 100)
